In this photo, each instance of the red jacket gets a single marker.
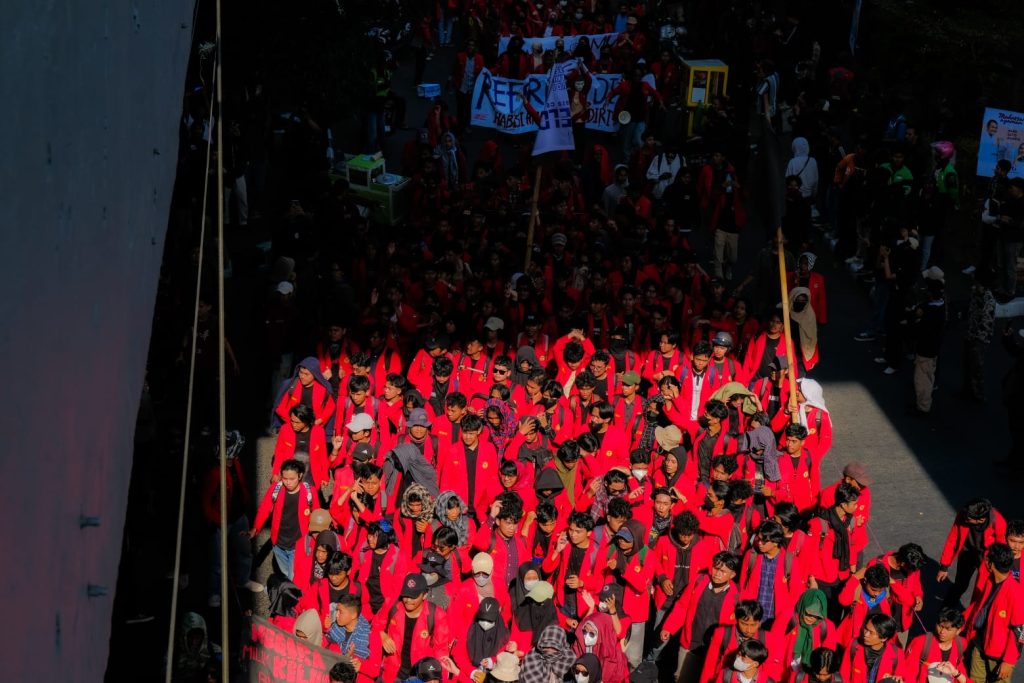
(752, 362)
(666, 556)
(995, 532)
(272, 506)
(790, 583)
(680, 619)
(211, 490)
(390, 578)
(390, 424)
(459, 72)
(680, 410)
(656, 363)
(821, 539)
(452, 474)
(431, 635)
(420, 372)
(323, 403)
(800, 482)
(999, 641)
(284, 449)
(731, 370)
(853, 668)
(634, 579)
(822, 635)
(472, 378)
(486, 541)
(634, 426)
(924, 649)
(463, 607)
(903, 593)
(347, 408)
(722, 651)
(819, 428)
(852, 596)
(369, 667)
(717, 199)
(591, 572)
(387, 363)
(815, 283)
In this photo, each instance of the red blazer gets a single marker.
(716, 199)
(635, 579)
(800, 483)
(822, 635)
(815, 283)
(1006, 613)
(323, 403)
(722, 651)
(680, 619)
(752, 361)
(284, 449)
(347, 408)
(463, 607)
(452, 474)
(666, 554)
(387, 362)
(272, 506)
(591, 573)
(656, 362)
(903, 593)
(852, 596)
(485, 541)
(390, 578)
(821, 540)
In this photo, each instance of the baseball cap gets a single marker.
(418, 418)
(625, 534)
(428, 669)
(541, 591)
(559, 239)
(494, 323)
(859, 473)
(413, 586)
(631, 378)
(285, 287)
(431, 560)
(360, 422)
(320, 520)
(483, 564)
(362, 453)
(531, 319)
(668, 437)
(432, 343)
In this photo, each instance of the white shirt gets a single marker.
(697, 381)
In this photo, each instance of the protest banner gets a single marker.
(1002, 137)
(597, 41)
(271, 655)
(554, 132)
(496, 104)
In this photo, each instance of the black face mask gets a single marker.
(799, 306)
(703, 422)
(595, 428)
(617, 344)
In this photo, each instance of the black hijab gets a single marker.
(481, 644)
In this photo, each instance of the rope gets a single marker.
(221, 348)
(188, 419)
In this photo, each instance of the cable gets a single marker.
(188, 413)
(221, 352)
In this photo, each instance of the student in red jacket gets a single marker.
(1014, 539)
(785, 574)
(303, 440)
(876, 644)
(804, 633)
(856, 475)
(378, 569)
(351, 634)
(664, 361)
(309, 388)
(313, 550)
(995, 620)
(723, 368)
(748, 625)
(422, 371)
(499, 537)
(800, 471)
(905, 592)
(626, 565)
(865, 592)
(976, 527)
(707, 602)
(357, 402)
(288, 505)
(829, 537)
(574, 565)
(943, 651)
(751, 664)
(470, 466)
(411, 629)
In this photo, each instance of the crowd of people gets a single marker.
(595, 468)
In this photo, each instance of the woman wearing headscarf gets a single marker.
(325, 543)
(815, 416)
(452, 161)
(762, 466)
(804, 329)
(804, 166)
(533, 606)
(308, 627)
(588, 669)
(627, 568)
(550, 659)
(526, 364)
(486, 637)
(808, 629)
(804, 276)
(501, 423)
(596, 637)
(450, 511)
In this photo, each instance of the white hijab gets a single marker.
(814, 396)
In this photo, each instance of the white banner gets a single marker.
(1002, 137)
(554, 132)
(597, 41)
(496, 105)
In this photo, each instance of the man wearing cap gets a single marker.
(345, 476)
(494, 345)
(481, 584)
(856, 475)
(357, 400)
(358, 432)
(628, 408)
(428, 670)
(723, 368)
(411, 629)
(418, 434)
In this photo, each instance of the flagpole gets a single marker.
(787, 330)
(533, 218)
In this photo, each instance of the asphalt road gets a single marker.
(924, 467)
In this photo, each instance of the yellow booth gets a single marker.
(705, 79)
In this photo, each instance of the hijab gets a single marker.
(806, 320)
(607, 650)
(461, 525)
(481, 644)
(593, 667)
(804, 633)
(329, 540)
(764, 438)
(501, 435)
(531, 615)
(639, 532)
(550, 659)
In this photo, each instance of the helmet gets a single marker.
(722, 339)
(944, 149)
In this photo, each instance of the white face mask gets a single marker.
(741, 665)
(431, 579)
(486, 625)
(639, 474)
(481, 580)
(528, 584)
(578, 86)
(582, 678)
(602, 607)
(589, 638)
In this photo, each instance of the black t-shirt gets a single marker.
(871, 657)
(407, 636)
(471, 456)
(288, 531)
(306, 398)
(770, 351)
(302, 442)
(373, 582)
(706, 617)
(681, 575)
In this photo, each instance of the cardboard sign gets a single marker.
(597, 41)
(1002, 137)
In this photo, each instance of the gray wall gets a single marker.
(91, 93)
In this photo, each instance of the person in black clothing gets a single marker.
(930, 319)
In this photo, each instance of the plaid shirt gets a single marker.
(766, 588)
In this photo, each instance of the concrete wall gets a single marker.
(92, 93)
